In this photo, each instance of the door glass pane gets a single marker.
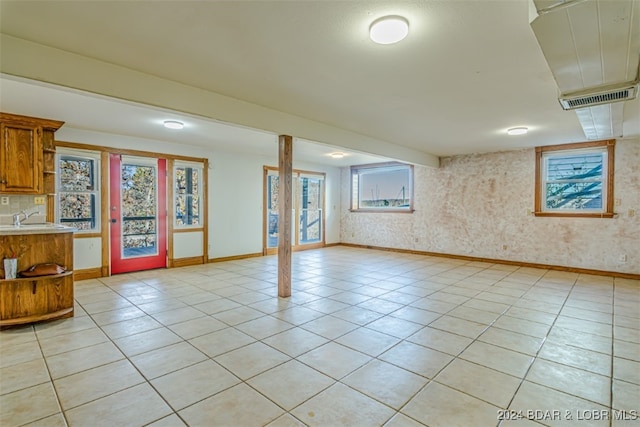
(310, 197)
(139, 210)
(272, 210)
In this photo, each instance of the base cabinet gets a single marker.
(33, 299)
(36, 299)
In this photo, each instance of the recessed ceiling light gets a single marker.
(517, 131)
(337, 155)
(389, 29)
(173, 124)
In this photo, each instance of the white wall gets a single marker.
(125, 142)
(188, 245)
(236, 202)
(475, 205)
(235, 205)
(86, 253)
(235, 196)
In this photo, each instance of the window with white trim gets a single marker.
(575, 179)
(188, 194)
(383, 187)
(79, 189)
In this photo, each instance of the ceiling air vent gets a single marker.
(599, 95)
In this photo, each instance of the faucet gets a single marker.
(17, 222)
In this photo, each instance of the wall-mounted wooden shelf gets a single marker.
(31, 279)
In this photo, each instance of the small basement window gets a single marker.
(575, 179)
(383, 187)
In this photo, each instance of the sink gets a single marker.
(44, 226)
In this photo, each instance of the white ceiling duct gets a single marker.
(602, 121)
(599, 95)
(593, 50)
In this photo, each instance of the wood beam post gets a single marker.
(285, 205)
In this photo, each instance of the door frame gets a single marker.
(140, 263)
(265, 211)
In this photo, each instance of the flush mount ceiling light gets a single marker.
(337, 155)
(517, 131)
(389, 29)
(173, 124)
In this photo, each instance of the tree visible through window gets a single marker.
(575, 179)
(78, 192)
(139, 206)
(382, 187)
(187, 194)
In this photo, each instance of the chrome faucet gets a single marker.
(17, 222)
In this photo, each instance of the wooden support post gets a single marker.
(285, 196)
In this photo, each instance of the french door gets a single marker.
(307, 229)
(138, 213)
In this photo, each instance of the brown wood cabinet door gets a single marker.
(59, 292)
(19, 299)
(21, 158)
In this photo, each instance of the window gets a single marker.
(575, 179)
(384, 187)
(78, 190)
(188, 194)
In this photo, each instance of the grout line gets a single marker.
(613, 356)
(241, 269)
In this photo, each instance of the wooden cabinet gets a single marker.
(27, 154)
(26, 300)
(21, 158)
(48, 163)
(36, 299)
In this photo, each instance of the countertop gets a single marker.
(46, 228)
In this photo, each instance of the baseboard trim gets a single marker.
(87, 273)
(185, 262)
(235, 257)
(500, 261)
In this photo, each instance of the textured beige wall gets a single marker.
(477, 205)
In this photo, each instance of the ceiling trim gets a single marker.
(43, 63)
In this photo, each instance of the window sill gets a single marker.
(187, 229)
(82, 234)
(575, 215)
(404, 211)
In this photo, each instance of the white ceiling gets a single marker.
(468, 70)
(91, 112)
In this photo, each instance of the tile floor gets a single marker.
(368, 338)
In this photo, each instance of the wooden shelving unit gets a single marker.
(34, 299)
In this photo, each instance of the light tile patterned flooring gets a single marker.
(368, 338)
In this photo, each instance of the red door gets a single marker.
(138, 213)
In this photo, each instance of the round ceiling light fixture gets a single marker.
(173, 124)
(389, 29)
(517, 131)
(337, 155)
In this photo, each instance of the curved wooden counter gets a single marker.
(33, 299)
